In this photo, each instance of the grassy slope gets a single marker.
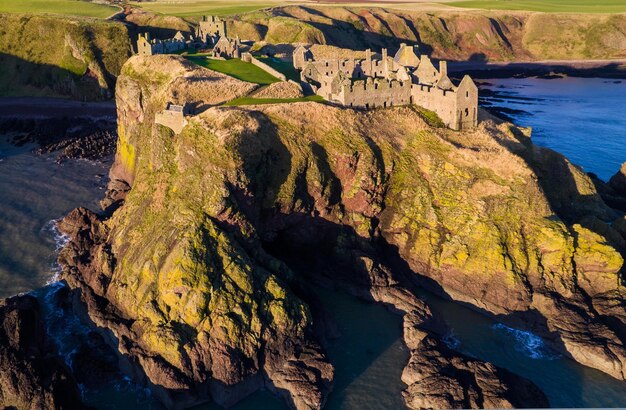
(238, 69)
(285, 67)
(479, 35)
(60, 56)
(65, 7)
(262, 101)
(563, 6)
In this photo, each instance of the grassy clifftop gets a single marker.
(61, 56)
(455, 35)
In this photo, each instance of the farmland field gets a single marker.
(190, 8)
(65, 7)
(563, 6)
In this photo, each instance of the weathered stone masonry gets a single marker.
(377, 81)
(386, 81)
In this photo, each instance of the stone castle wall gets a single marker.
(375, 94)
(249, 58)
(401, 80)
(173, 119)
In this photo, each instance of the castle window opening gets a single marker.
(467, 112)
(466, 94)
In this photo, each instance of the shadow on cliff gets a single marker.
(354, 35)
(315, 249)
(26, 78)
(330, 253)
(561, 188)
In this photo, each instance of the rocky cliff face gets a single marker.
(190, 273)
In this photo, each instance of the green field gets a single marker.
(257, 101)
(191, 8)
(236, 68)
(284, 67)
(564, 6)
(65, 7)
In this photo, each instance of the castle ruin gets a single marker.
(227, 48)
(211, 28)
(147, 46)
(390, 81)
(376, 81)
(173, 117)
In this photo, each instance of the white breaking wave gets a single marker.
(451, 340)
(60, 240)
(527, 343)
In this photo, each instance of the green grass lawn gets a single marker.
(236, 68)
(255, 101)
(191, 8)
(65, 7)
(284, 67)
(573, 6)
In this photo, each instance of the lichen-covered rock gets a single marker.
(181, 275)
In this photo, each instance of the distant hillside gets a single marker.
(454, 35)
(80, 58)
(61, 56)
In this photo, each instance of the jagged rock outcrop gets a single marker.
(438, 377)
(618, 181)
(187, 272)
(31, 375)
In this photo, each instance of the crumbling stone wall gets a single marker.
(211, 27)
(401, 80)
(375, 93)
(249, 58)
(172, 117)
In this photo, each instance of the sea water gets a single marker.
(35, 191)
(582, 118)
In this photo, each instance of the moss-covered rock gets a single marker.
(467, 212)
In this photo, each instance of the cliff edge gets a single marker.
(192, 271)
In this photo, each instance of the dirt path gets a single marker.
(35, 107)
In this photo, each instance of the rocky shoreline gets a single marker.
(75, 130)
(610, 69)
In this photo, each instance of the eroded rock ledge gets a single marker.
(182, 276)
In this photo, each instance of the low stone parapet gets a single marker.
(249, 58)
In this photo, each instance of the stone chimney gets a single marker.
(443, 69)
(384, 54)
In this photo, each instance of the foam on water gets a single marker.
(60, 240)
(451, 340)
(527, 342)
